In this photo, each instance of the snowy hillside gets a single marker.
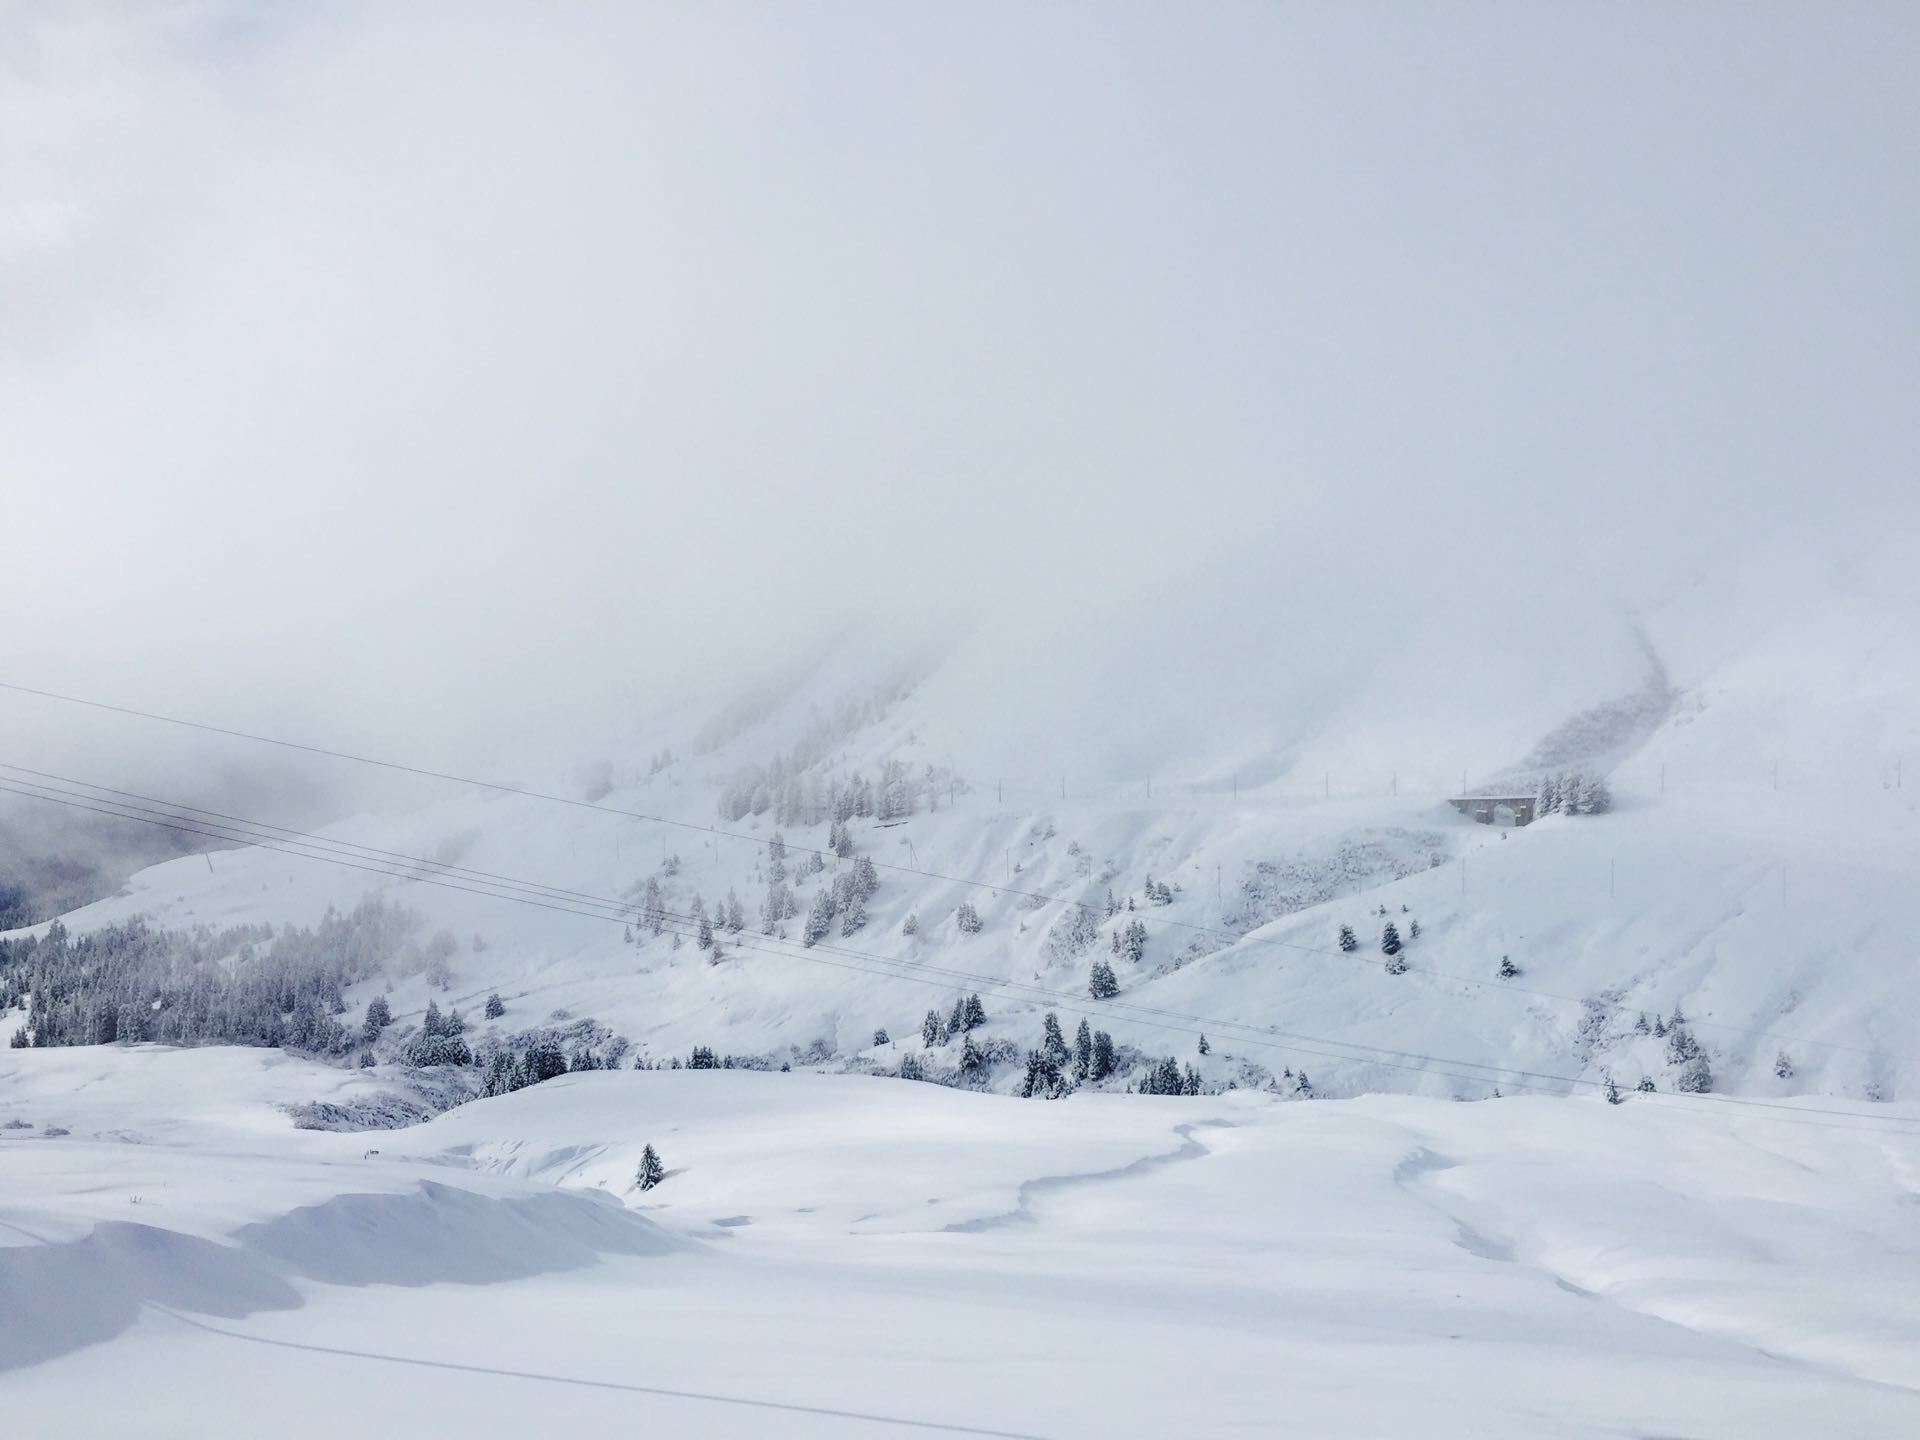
(1750, 876)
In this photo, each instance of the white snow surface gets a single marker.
(837, 1255)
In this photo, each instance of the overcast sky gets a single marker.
(444, 370)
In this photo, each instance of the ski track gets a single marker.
(1032, 1190)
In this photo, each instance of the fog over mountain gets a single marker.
(484, 384)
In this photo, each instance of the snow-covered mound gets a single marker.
(828, 1253)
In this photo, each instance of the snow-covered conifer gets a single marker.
(651, 1171)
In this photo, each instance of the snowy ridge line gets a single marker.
(627, 910)
(868, 1417)
(1063, 1000)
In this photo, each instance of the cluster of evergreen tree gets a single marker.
(1696, 1074)
(542, 1059)
(1092, 1054)
(440, 1040)
(1076, 931)
(1130, 941)
(1101, 983)
(1158, 892)
(1393, 949)
(1347, 941)
(249, 985)
(967, 919)
(1572, 793)
(1167, 1078)
(968, 1014)
(796, 793)
(1046, 1076)
(846, 898)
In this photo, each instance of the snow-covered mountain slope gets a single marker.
(839, 1256)
(1752, 875)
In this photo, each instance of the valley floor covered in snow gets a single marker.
(837, 1255)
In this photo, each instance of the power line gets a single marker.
(1232, 937)
(622, 913)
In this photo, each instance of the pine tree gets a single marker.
(496, 1007)
(778, 905)
(976, 1012)
(967, 918)
(651, 1171)
(957, 1018)
(1508, 970)
(1053, 1044)
(970, 1057)
(1614, 1097)
(703, 933)
(366, 1056)
(1413, 929)
(736, 913)
(1646, 1086)
(1548, 800)
(911, 925)
(819, 919)
(1102, 1062)
(880, 1036)
(777, 857)
(910, 1067)
(1782, 1066)
(1695, 1077)
(653, 907)
(379, 1016)
(932, 1032)
(1082, 1051)
(1347, 940)
(1204, 1048)
(1100, 982)
(1390, 940)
